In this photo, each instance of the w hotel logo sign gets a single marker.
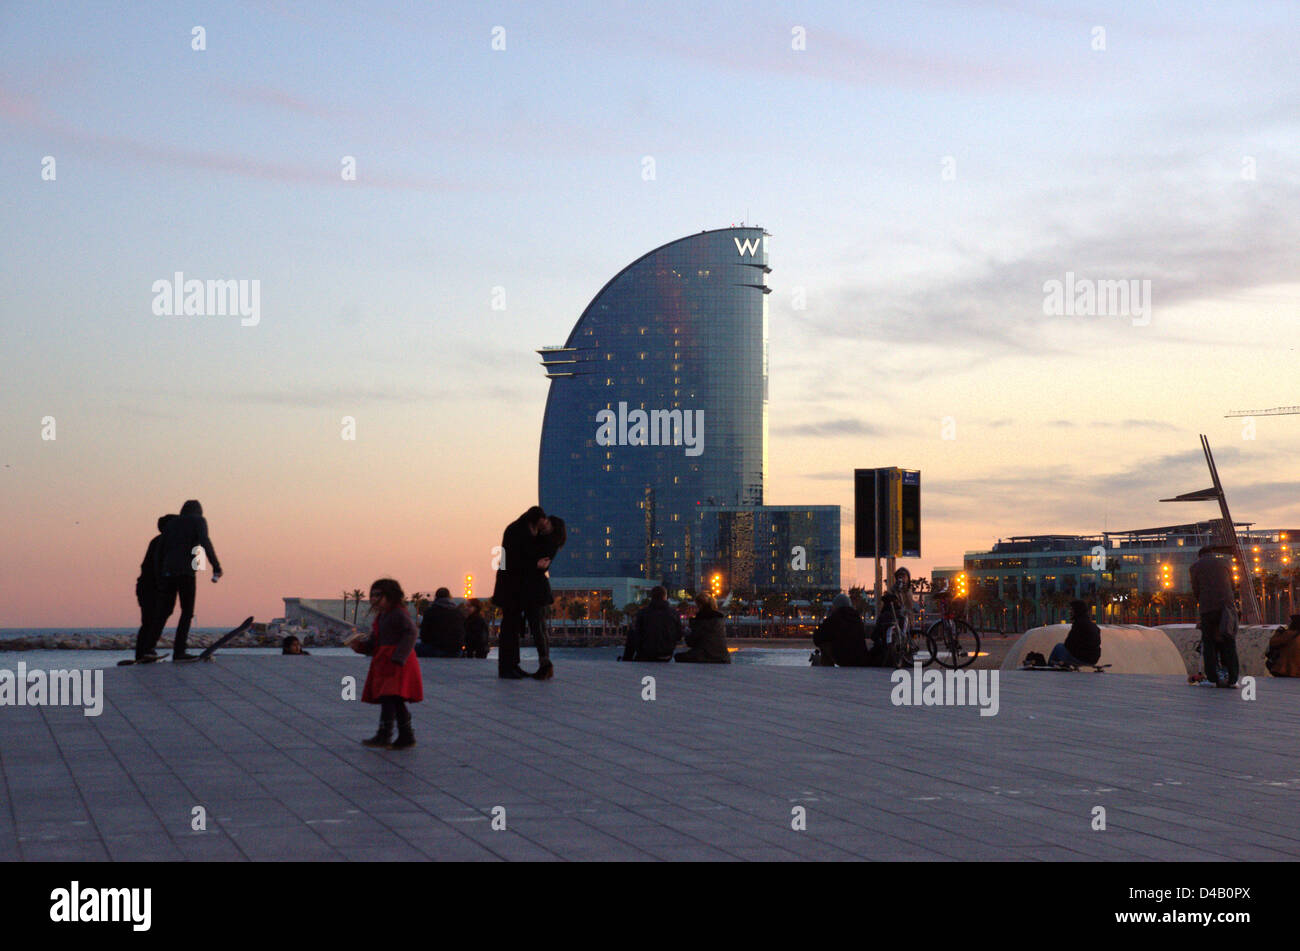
(748, 247)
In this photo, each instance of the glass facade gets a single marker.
(658, 404)
(768, 548)
(1132, 564)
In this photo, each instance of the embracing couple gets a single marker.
(523, 589)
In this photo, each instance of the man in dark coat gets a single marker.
(146, 592)
(512, 587)
(176, 563)
(842, 635)
(656, 630)
(1216, 603)
(442, 632)
(1083, 643)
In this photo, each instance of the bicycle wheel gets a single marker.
(953, 643)
(898, 652)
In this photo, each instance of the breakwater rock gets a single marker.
(259, 635)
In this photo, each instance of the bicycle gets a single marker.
(952, 634)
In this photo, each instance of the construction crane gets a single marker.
(1275, 411)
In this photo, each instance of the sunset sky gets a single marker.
(923, 169)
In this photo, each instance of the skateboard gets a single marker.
(222, 640)
(1093, 668)
(207, 654)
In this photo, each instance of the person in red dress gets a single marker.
(394, 677)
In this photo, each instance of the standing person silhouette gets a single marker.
(146, 593)
(511, 593)
(394, 677)
(550, 538)
(1216, 602)
(177, 562)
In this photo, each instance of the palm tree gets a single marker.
(1140, 602)
(976, 598)
(346, 596)
(419, 599)
(1272, 583)
(1060, 602)
(1012, 601)
(357, 595)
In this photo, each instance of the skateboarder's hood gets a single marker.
(192, 507)
(164, 520)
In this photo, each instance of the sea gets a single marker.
(87, 659)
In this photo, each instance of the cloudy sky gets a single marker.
(925, 169)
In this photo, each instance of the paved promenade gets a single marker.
(584, 768)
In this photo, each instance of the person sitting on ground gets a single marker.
(842, 635)
(1082, 645)
(442, 632)
(291, 645)
(656, 630)
(1283, 655)
(707, 639)
(476, 630)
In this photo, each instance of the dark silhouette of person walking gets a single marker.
(146, 593)
(177, 561)
(511, 594)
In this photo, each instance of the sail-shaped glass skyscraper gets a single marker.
(658, 407)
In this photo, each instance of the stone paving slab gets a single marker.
(710, 770)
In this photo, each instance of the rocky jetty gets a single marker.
(259, 635)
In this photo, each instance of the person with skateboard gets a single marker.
(1216, 603)
(1082, 645)
(146, 593)
(394, 677)
(511, 594)
(176, 562)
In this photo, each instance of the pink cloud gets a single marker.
(26, 111)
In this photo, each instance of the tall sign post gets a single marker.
(1227, 531)
(887, 518)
